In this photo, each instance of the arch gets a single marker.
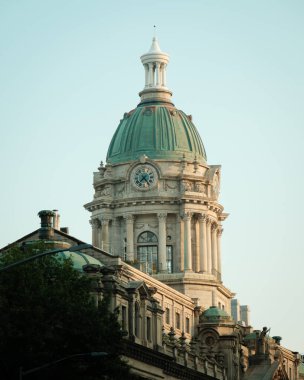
(147, 237)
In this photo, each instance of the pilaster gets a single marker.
(162, 259)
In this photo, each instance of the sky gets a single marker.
(70, 69)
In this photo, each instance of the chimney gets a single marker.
(56, 220)
(46, 231)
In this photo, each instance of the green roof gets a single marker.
(79, 259)
(159, 131)
(215, 314)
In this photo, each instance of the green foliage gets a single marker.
(47, 313)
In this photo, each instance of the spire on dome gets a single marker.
(154, 47)
(155, 64)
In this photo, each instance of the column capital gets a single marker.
(105, 220)
(162, 216)
(202, 218)
(220, 231)
(95, 222)
(129, 218)
(214, 227)
(209, 221)
(186, 215)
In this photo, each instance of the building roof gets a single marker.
(159, 131)
(79, 259)
(215, 314)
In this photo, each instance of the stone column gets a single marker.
(214, 248)
(146, 75)
(196, 248)
(209, 257)
(95, 223)
(203, 243)
(151, 75)
(164, 75)
(219, 253)
(105, 234)
(161, 74)
(187, 241)
(162, 259)
(157, 72)
(131, 315)
(115, 240)
(130, 233)
(179, 244)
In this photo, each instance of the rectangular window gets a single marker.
(187, 325)
(177, 321)
(149, 329)
(167, 315)
(169, 258)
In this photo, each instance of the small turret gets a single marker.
(155, 64)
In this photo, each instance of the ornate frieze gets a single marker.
(200, 188)
(185, 186)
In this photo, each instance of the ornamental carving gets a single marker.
(108, 171)
(186, 186)
(101, 169)
(106, 191)
(170, 185)
(186, 216)
(216, 187)
(129, 218)
(139, 226)
(105, 220)
(120, 190)
(220, 231)
(95, 223)
(200, 188)
(162, 216)
(202, 218)
(214, 227)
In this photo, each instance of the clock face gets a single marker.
(144, 177)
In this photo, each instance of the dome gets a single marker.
(159, 131)
(79, 259)
(214, 314)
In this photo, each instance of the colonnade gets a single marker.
(203, 256)
(155, 74)
(206, 257)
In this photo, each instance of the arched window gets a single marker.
(147, 252)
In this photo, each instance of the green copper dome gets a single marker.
(79, 259)
(214, 314)
(159, 131)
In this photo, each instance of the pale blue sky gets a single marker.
(70, 69)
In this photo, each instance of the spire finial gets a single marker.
(154, 34)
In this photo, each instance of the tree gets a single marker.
(47, 313)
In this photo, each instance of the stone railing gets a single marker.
(184, 354)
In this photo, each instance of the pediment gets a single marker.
(140, 287)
